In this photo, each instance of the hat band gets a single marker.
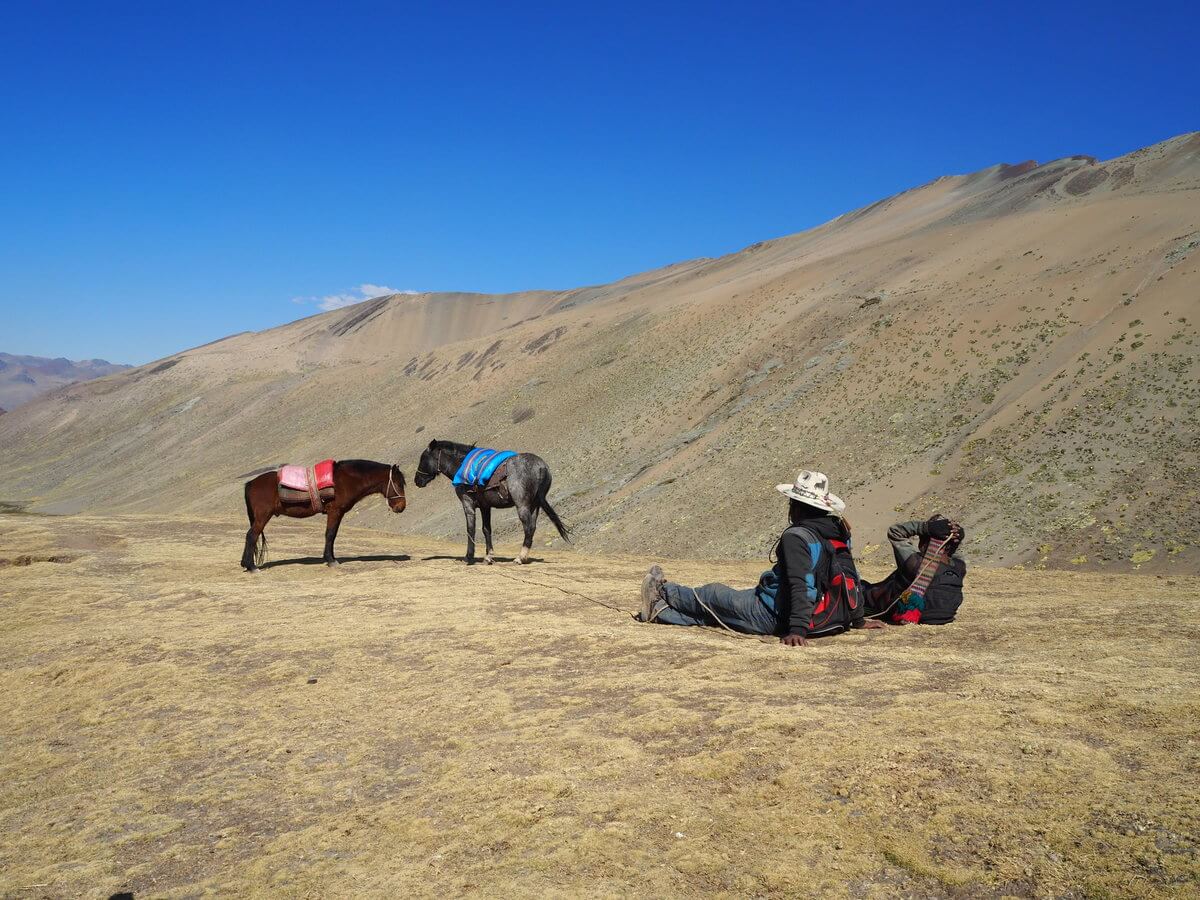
(800, 489)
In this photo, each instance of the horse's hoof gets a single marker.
(332, 563)
(254, 571)
(489, 560)
(469, 561)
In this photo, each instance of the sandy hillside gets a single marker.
(406, 726)
(1016, 347)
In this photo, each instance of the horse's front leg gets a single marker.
(332, 520)
(487, 532)
(469, 511)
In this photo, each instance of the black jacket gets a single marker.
(802, 570)
(945, 593)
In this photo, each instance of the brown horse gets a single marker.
(353, 479)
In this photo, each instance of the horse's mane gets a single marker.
(456, 447)
(371, 464)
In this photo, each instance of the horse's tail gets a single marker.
(553, 516)
(249, 505)
(260, 546)
(254, 473)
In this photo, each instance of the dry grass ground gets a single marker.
(470, 733)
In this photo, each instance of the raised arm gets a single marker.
(901, 535)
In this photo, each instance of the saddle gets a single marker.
(498, 483)
(307, 485)
(485, 470)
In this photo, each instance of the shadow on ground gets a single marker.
(320, 561)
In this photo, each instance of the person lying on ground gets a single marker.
(943, 596)
(812, 590)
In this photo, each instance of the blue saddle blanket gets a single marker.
(480, 465)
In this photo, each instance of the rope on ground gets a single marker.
(708, 609)
(555, 587)
(737, 634)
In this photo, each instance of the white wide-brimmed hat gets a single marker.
(813, 488)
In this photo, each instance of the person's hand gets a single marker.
(795, 640)
(872, 623)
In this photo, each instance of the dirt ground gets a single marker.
(406, 725)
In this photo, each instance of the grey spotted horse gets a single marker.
(490, 479)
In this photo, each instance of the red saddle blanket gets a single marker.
(296, 477)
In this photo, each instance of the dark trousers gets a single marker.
(883, 594)
(740, 610)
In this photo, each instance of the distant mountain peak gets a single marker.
(22, 378)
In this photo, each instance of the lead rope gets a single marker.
(705, 606)
(708, 610)
(563, 590)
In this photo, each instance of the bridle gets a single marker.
(437, 465)
(387, 490)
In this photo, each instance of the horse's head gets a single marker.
(430, 465)
(394, 493)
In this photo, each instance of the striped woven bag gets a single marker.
(911, 603)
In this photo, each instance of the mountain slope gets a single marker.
(1015, 347)
(22, 378)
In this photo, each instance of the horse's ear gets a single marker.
(433, 445)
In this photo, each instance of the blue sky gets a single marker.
(171, 173)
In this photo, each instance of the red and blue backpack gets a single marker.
(843, 604)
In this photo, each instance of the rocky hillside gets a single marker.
(1015, 347)
(24, 377)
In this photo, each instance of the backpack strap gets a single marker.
(820, 554)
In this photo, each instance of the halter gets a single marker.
(386, 495)
(438, 466)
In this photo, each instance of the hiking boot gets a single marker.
(654, 598)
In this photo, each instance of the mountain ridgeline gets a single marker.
(1015, 348)
(22, 378)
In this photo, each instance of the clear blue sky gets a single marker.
(171, 173)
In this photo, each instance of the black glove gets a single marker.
(938, 528)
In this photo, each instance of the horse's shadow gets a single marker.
(319, 561)
(479, 559)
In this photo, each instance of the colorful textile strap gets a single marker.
(911, 603)
(314, 492)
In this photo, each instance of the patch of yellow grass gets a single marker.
(472, 731)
